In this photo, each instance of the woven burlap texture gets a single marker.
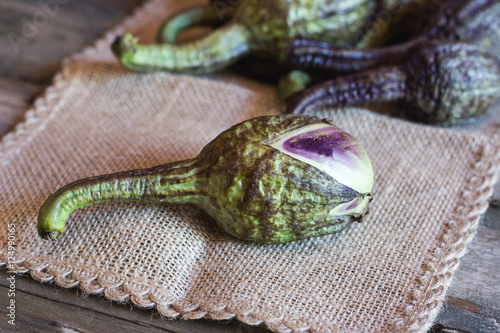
(389, 273)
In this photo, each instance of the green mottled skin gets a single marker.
(261, 27)
(253, 191)
(439, 83)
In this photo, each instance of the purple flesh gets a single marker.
(325, 141)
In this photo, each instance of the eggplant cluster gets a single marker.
(445, 53)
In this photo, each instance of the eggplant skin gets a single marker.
(271, 197)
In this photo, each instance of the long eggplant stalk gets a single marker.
(178, 182)
(220, 49)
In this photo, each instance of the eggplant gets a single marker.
(257, 27)
(445, 84)
(470, 21)
(271, 179)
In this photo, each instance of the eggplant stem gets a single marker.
(177, 182)
(219, 49)
(311, 54)
(195, 16)
(381, 85)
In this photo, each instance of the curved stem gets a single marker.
(310, 54)
(177, 182)
(217, 50)
(197, 15)
(376, 86)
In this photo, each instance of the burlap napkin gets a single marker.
(389, 273)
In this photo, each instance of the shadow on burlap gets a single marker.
(388, 273)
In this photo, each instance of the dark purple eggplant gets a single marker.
(472, 21)
(440, 83)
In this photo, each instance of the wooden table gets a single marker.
(28, 63)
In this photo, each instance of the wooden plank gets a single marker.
(36, 38)
(495, 198)
(473, 301)
(16, 96)
(461, 320)
(32, 48)
(477, 279)
(48, 308)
